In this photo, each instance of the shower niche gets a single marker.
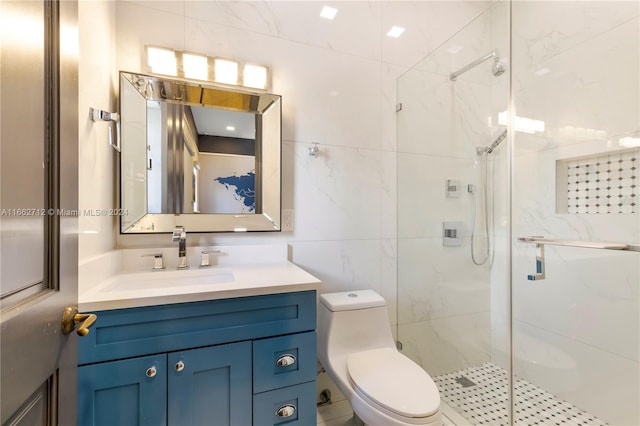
(605, 183)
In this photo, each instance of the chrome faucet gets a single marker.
(180, 236)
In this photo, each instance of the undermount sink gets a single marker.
(170, 278)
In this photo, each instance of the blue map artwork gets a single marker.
(243, 188)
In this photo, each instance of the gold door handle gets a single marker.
(71, 317)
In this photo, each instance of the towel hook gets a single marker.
(100, 115)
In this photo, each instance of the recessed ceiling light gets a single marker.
(328, 12)
(455, 49)
(230, 128)
(395, 31)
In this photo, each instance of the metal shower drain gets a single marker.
(464, 382)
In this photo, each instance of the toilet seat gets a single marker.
(370, 372)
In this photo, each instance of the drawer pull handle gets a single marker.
(179, 366)
(287, 410)
(285, 360)
(151, 372)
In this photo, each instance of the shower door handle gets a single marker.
(541, 241)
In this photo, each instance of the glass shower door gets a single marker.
(576, 184)
(452, 219)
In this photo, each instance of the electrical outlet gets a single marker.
(287, 220)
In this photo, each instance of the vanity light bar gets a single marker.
(194, 66)
(162, 61)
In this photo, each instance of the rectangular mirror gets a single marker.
(198, 155)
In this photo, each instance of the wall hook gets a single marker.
(314, 150)
(100, 115)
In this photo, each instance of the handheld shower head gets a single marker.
(495, 143)
(489, 149)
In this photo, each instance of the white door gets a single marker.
(38, 200)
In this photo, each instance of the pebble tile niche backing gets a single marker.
(604, 184)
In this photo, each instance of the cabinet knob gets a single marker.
(151, 371)
(179, 366)
(286, 410)
(285, 360)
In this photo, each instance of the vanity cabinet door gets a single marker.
(127, 392)
(210, 386)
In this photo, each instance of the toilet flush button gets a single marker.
(352, 295)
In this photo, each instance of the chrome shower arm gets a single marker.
(492, 54)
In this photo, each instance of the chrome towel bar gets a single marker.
(582, 244)
(540, 242)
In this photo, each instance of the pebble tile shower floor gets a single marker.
(479, 394)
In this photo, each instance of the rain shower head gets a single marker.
(498, 67)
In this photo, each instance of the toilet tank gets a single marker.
(352, 321)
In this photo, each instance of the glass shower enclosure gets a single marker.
(518, 275)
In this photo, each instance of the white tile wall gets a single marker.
(447, 344)
(584, 315)
(438, 282)
(338, 88)
(97, 85)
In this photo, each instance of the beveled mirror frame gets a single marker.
(135, 91)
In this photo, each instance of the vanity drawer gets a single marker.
(294, 405)
(284, 361)
(125, 333)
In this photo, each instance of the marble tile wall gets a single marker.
(338, 89)
(576, 67)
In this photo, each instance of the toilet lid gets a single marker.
(372, 372)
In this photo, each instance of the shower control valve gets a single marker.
(452, 188)
(452, 233)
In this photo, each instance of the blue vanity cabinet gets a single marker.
(231, 362)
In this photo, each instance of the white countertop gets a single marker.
(247, 281)
(139, 288)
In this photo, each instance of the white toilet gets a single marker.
(355, 346)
